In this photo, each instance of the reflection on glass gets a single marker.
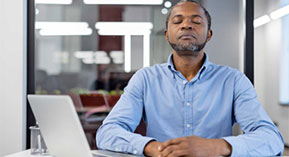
(53, 1)
(81, 43)
(124, 2)
(91, 51)
(271, 61)
(284, 63)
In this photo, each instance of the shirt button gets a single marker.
(116, 149)
(188, 125)
(184, 82)
(188, 104)
(135, 151)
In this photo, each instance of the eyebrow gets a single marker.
(179, 15)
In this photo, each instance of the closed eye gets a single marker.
(177, 22)
(177, 19)
(196, 20)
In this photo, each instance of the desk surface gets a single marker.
(26, 153)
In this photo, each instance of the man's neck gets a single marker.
(188, 65)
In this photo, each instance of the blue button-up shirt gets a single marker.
(207, 106)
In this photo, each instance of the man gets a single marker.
(189, 104)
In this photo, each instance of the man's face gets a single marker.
(187, 30)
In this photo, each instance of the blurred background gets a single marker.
(88, 46)
(89, 49)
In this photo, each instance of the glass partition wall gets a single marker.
(89, 49)
(82, 46)
(272, 60)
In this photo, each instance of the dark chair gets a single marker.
(112, 99)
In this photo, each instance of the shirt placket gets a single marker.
(187, 110)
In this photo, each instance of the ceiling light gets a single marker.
(261, 21)
(53, 2)
(280, 12)
(63, 28)
(36, 11)
(124, 25)
(123, 28)
(127, 53)
(96, 61)
(124, 2)
(60, 25)
(127, 29)
(117, 56)
(90, 57)
(67, 32)
(168, 4)
(164, 11)
(83, 54)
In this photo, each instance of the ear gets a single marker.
(210, 34)
(166, 35)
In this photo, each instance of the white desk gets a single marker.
(26, 153)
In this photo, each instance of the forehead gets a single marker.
(187, 9)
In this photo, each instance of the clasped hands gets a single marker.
(188, 146)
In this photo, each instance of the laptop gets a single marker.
(61, 127)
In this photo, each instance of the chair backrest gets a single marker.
(141, 128)
(94, 100)
(112, 99)
(76, 100)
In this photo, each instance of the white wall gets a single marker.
(12, 79)
(226, 45)
(267, 65)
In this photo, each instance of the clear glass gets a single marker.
(74, 57)
(78, 51)
(37, 145)
(271, 62)
(95, 61)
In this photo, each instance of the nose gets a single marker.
(187, 25)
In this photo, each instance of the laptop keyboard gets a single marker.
(104, 153)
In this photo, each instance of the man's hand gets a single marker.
(153, 148)
(195, 146)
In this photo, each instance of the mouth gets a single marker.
(187, 37)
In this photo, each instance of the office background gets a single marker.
(56, 56)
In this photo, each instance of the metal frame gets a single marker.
(30, 119)
(249, 41)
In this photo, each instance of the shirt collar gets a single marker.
(171, 65)
(201, 72)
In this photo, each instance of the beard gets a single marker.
(190, 49)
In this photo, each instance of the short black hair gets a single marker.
(208, 16)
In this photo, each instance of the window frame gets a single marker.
(248, 56)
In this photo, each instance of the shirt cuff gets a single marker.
(238, 146)
(139, 144)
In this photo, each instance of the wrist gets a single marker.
(225, 149)
(147, 148)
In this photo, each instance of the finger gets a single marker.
(172, 142)
(177, 153)
(169, 149)
(160, 147)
